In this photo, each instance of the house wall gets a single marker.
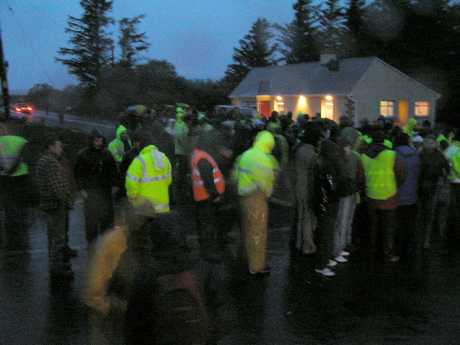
(311, 105)
(383, 82)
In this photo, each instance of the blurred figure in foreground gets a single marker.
(255, 174)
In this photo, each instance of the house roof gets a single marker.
(311, 78)
(306, 78)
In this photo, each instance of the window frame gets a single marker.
(387, 107)
(428, 108)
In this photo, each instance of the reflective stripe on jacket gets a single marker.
(199, 190)
(380, 175)
(147, 181)
(10, 151)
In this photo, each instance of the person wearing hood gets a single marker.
(255, 173)
(148, 179)
(384, 172)
(96, 172)
(305, 161)
(120, 145)
(329, 173)
(432, 183)
(406, 212)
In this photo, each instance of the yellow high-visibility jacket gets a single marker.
(147, 182)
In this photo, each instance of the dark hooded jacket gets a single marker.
(408, 190)
(95, 169)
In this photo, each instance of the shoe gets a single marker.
(344, 253)
(326, 272)
(341, 259)
(332, 263)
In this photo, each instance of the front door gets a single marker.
(264, 108)
(403, 112)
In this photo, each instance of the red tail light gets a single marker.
(18, 110)
(29, 108)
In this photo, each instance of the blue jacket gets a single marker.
(408, 190)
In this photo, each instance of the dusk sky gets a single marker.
(198, 38)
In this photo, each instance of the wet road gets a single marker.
(415, 302)
(70, 122)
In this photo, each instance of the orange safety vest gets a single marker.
(199, 190)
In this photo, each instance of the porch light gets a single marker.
(328, 97)
(279, 98)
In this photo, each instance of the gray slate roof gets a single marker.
(303, 79)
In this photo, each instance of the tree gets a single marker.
(41, 95)
(299, 38)
(332, 28)
(255, 50)
(90, 44)
(357, 40)
(131, 42)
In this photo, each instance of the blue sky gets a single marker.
(197, 36)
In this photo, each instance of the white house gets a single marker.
(362, 88)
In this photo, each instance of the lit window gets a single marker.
(327, 108)
(387, 108)
(422, 108)
(279, 104)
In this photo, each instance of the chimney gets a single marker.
(330, 61)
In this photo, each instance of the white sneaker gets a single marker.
(341, 259)
(344, 253)
(325, 272)
(332, 263)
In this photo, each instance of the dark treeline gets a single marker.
(420, 37)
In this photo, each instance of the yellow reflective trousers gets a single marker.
(254, 222)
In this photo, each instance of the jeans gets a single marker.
(343, 227)
(56, 222)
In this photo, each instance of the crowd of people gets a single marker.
(380, 186)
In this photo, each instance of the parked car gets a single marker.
(227, 112)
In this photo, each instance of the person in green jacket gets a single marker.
(14, 186)
(120, 145)
(255, 173)
(454, 179)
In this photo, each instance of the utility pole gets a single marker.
(3, 79)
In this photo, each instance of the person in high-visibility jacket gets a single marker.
(147, 181)
(208, 187)
(255, 175)
(454, 179)
(120, 145)
(14, 175)
(384, 172)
